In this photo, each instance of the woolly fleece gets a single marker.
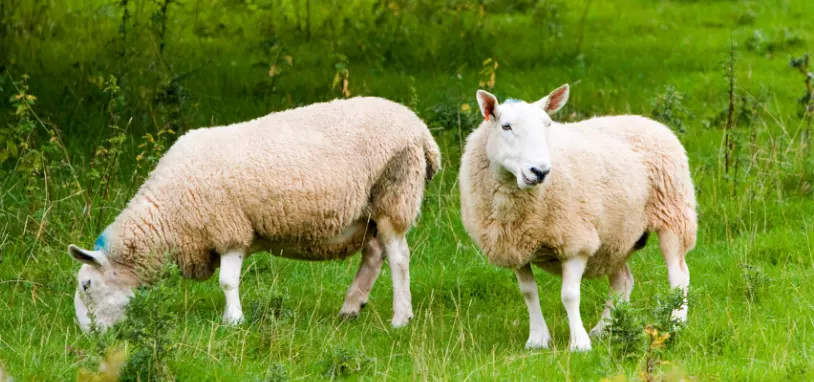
(612, 179)
(288, 182)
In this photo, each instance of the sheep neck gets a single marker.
(513, 216)
(145, 237)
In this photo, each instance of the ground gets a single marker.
(751, 307)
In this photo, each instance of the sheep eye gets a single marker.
(506, 127)
(85, 285)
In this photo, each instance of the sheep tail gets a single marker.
(674, 204)
(432, 154)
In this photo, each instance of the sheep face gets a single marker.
(103, 290)
(518, 135)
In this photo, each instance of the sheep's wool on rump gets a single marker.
(294, 178)
(612, 179)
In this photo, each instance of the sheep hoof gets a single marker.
(348, 316)
(538, 343)
(598, 330)
(400, 322)
(349, 312)
(233, 319)
(680, 315)
(580, 342)
(580, 348)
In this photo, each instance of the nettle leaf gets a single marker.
(12, 148)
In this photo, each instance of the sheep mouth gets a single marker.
(528, 181)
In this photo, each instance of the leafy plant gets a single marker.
(150, 317)
(109, 369)
(342, 362)
(663, 321)
(806, 102)
(629, 327)
(450, 116)
(268, 307)
(656, 341)
(759, 42)
(341, 81)
(489, 73)
(34, 144)
(747, 17)
(549, 15)
(755, 281)
(668, 107)
(106, 156)
(413, 100)
(277, 373)
(625, 330)
(17, 140)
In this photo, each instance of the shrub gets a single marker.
(147, 328)
(342, 362)
(668, 107)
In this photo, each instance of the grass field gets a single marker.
(84, 145)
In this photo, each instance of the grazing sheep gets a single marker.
(318, 182)
(576, 200)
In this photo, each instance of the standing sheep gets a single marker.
(314, 183)
(576, 200)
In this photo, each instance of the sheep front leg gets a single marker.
(230, 264)
(621, 284)
(572, 270)
(539, 337)
(359, 290)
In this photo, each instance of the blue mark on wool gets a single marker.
(101, 243)
(511, 101)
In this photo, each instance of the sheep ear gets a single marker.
(554, 101)
(488, 104)
(95, 258)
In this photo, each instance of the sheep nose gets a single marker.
(540, 174)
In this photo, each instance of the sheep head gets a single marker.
(518, 135)
(103, 289)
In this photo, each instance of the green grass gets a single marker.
(751, 311)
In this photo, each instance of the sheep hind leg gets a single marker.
(621, 285)
(539, 336)
(398, 257)
(572, 271)
(230, 267)
(677, 272)
(359, 290)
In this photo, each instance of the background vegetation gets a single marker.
(93, 92)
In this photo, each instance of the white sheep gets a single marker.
(318, 182)
(576, 200)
